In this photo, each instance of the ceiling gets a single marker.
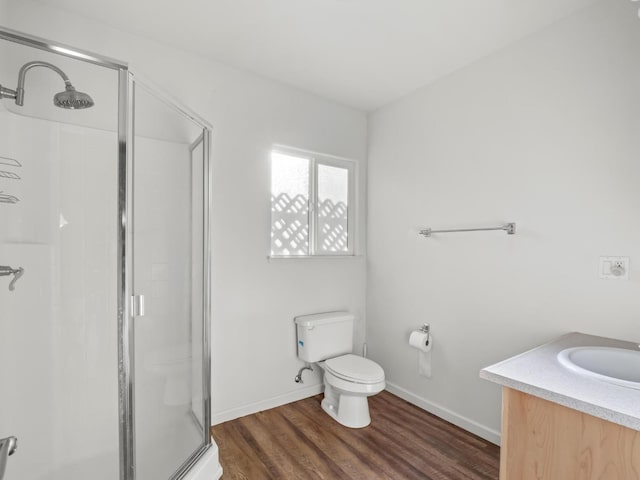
(361, 53)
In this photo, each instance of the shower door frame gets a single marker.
(125, 159)
(126, 322)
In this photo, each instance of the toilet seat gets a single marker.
(355, 369)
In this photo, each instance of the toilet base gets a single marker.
(347, 410)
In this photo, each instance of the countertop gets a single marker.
(538, 372)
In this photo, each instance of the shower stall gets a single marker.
(104, 272)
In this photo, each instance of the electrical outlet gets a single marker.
(614, 268)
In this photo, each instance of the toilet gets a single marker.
(326, 339)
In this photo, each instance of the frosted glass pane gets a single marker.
(168, 192)
(333, 209)
(289, 205)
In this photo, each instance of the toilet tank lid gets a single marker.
(323, 318)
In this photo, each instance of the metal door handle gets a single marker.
(137, 307)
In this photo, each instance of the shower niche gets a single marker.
(104, 338)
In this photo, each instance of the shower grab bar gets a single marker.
(5, 198)
(5, 271)
(510, 228)
(9, 161)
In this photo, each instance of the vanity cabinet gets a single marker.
(559, 423)
(543, 440)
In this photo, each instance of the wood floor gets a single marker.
(300, 441)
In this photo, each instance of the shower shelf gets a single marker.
(11, 175)
(9, 161)
(5, 198)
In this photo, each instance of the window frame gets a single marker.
(315, 160)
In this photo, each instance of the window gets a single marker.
(312, 204)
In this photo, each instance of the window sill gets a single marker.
(277, 259)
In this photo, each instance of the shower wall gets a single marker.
(58, 346)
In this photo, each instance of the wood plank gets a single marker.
(300, 441)
(231, 441)
(336, 445)
(542, 440)
(367, 445)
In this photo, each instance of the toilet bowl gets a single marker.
(326, 339)
(348, 381)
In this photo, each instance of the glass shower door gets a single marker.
(169, 181)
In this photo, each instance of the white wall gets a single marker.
(545, 134)
(254, 301)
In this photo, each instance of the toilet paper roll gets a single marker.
(420, 340)
(424, 364)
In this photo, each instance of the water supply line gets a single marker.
(298, 378)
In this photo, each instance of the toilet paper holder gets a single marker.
(426, 328)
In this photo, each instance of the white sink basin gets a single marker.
(614, 365)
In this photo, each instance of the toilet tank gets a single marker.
(324, 335)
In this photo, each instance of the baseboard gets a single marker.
(476, 428)
(233, 413)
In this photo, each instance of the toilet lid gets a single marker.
(355, 369)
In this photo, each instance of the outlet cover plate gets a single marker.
(608, 267)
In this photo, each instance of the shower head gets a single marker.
(72, 99)
(69, 99)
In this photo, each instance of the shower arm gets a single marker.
(23, 72)
(7, 93)
(18, 93)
